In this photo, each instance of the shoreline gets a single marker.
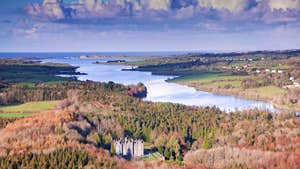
(279, 108)
(239, 95)
(275, 106)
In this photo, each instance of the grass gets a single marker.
(152, 157)
(208, 78)
(195, 77)
(268, 91)
(26, 109)
(223, 84)
(140, 63)
(14, 115)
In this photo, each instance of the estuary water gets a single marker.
(158, 89)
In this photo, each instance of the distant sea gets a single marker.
(76, 54)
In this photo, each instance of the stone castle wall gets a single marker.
(129, 148)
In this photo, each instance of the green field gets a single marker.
(268, 91)
(153, 157)
(223, 84)
(14, 115)
(208, 77)
(26, 109)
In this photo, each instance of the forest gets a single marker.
(64, 158)
(30, 92)
(90, 115)
(101, 113)
(28, 70)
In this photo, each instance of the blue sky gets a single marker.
(149, 25)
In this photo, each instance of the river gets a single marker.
(158, 89)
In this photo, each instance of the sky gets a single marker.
(148, 25)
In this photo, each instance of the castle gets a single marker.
(129, 148)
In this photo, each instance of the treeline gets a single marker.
(18, 70)
(267, 79)
(291, 97)
(65, 158)
(181, 68)
(240, 158)
(22, 93)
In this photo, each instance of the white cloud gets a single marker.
(159, 4)
(53, 10)
(283, 4)
(51, 1)
(213, 26)
(28, 33)
(231, 5)
(184, 13)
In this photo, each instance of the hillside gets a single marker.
(88, 116)
(91, 117)
(270, 76)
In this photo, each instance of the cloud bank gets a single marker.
(149, 25)
(262, 11)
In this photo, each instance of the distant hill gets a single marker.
(233, 54)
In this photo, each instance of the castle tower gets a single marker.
(118, 147)
(129, 148)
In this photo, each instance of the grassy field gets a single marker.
(268, 91)
(153, 157)
(223, 84)
(14, 115)
(26, 109)
(208, 77)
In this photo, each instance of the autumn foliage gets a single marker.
(91, 115)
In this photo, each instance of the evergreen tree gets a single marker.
(112, 149)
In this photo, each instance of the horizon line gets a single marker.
(164, 51)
